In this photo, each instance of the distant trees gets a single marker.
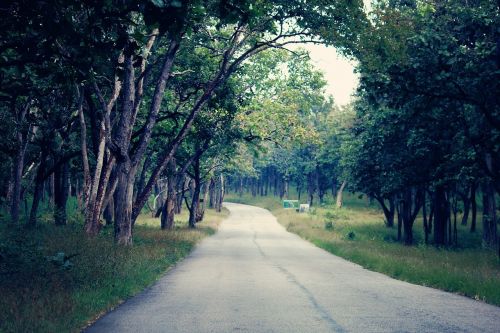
(284, 118)
(421, 139)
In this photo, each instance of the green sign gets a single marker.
(291, 204)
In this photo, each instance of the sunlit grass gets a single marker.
(41, 294)
(467, 269)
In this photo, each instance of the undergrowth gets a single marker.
(56, 279)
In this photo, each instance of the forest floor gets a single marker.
(56, 279)
(358, 233)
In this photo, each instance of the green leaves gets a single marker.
(426, 96)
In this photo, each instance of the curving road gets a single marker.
(254, 276)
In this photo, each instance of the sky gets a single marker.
(339, 72)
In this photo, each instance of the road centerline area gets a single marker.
(255, 276)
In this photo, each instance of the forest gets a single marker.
(115, 110)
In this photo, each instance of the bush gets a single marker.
(329, 225)
(330, 215)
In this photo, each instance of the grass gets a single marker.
(357, 233)
(56, 279)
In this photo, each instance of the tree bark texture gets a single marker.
(441, 216)
(61, 192)
(38, 191)
(18, 163)
(489, 215)
(195, 201)
(168, 212)
(340, 192)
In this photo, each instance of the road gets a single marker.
(254, 276)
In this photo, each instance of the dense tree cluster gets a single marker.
(426, 135)
(423, 136)
(117, 102)
(132, 104)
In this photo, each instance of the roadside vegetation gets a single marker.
(112, 108)
(357, 233)
(56, 279)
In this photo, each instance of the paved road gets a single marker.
(253, 276)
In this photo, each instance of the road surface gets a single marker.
(254, 276)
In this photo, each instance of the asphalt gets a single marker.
(254, 276)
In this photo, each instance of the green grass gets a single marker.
(41, 292)
(467, 269)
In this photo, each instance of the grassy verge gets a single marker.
(358, 234)
(55, 279)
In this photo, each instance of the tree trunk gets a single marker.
(51, 190)
(196, 195)
(21, 142)
(79, 196)
(9, 187)
(211, 195)
(263, 183)
(16, 186)
(473, 208)
(266, 186)
(489, 215)
(92, 223)
(61, 192)
(219, 193)
(142, 177)
(441, 216)
(454, 209)
(466, 202)
(281, 188)
(181, 180)
(431, 215)
(392, 211)
(400, 218)
(275, 184)
(388, 212)
(109, 211)
(407, 221)
(85, 160)
(123, 205)
(311, 187)
(285, 187)
(340, 201)
(319, 186)
(334, 188)
(240, 191)
(38, 191)
(409, 207)
(425, 222)
(168, 212)
(202, 205)
(37, 194)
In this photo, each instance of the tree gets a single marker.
(415, 65)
